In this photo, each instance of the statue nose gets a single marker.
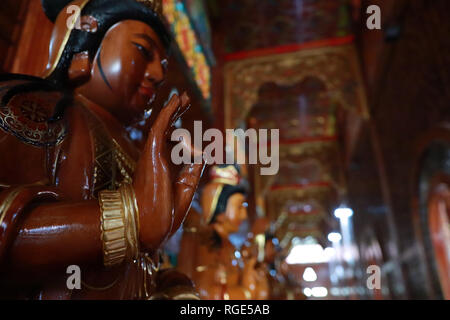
(154, 74)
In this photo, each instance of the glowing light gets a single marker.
(334, 237)
(309, 275)
(319, 292)
(329, 252)
(307, 254)
(307, 292)
(335, 291)
(343, 213)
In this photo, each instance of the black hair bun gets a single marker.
(53, 7)
(225, 194)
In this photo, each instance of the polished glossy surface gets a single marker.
(55, 211)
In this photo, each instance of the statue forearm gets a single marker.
(57, 235)
(154, 195)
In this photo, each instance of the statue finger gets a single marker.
(185, 105)
(165, 116)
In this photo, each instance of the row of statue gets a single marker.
(75, 189)
(220, 270)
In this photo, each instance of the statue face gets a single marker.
(235, 213)
(127, 70)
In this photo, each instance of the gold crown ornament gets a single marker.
(155, 5)
(226, 175)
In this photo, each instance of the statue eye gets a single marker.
(165, 64)
(145, 52)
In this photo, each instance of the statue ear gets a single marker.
(53, 7)
(80, 68)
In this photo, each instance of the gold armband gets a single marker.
(120, 225)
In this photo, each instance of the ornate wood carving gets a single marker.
(336, 67)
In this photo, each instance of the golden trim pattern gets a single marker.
(112, 166)
(113, 227)
(120, 225)
(125, 164)
(24, 117)
(132, 219)
(4, 206)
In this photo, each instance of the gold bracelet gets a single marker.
(120, 225)
(132, 220)
(113, 227)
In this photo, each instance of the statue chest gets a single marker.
(92, 158)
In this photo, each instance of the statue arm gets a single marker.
(59, 234)
(40, 235)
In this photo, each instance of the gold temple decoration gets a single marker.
(227, 175)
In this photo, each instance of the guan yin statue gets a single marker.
(75, 189)
(207, 254)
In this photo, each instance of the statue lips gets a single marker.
(147, 92)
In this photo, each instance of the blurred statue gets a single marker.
(273, 272)
(273, 280)
(191, 239)
(74, 188)
(207, 255)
